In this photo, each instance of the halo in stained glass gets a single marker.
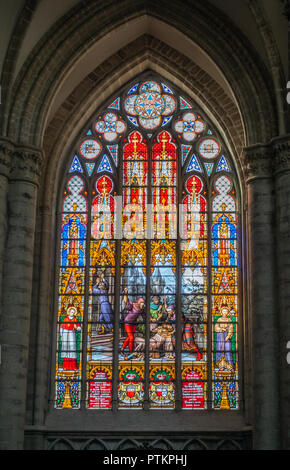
(209, 148)
(90, 148)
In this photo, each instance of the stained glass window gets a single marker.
(148, 275)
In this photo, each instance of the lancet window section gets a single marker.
(148, 281)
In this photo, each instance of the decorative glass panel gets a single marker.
(148, 275)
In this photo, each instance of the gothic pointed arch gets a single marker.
(95, 444)
(61, 444)
(195, 444)
(148, 276)
(128, 444)
(31, 98)
(145, 175)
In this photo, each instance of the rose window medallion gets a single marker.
(150, 105)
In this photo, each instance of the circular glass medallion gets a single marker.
(149, 105)
(90, 149)
(209, 148)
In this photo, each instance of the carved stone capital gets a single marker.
(19, 162)
(26, 164)
(6, 153)
(281, 154)
(257, 162)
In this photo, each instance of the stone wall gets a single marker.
(33, 152)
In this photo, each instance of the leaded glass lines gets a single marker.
(149, 296)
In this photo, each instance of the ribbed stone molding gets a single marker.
(151, 443)
(18, 258)
(281, 147)
(262, 295)
(72, 36)
(6, 153)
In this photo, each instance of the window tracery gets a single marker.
(149, 260)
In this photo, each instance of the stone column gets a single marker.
(281, 147)
(16, 294)
(263, 309)
(40, 351)
(6, 150)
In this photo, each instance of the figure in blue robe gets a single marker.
(101, 289)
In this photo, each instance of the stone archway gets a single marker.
(205, 26)
(249, 119)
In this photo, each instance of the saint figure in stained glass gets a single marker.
(106, 318)
(162, 273)
(224, 332)
(69, 340)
